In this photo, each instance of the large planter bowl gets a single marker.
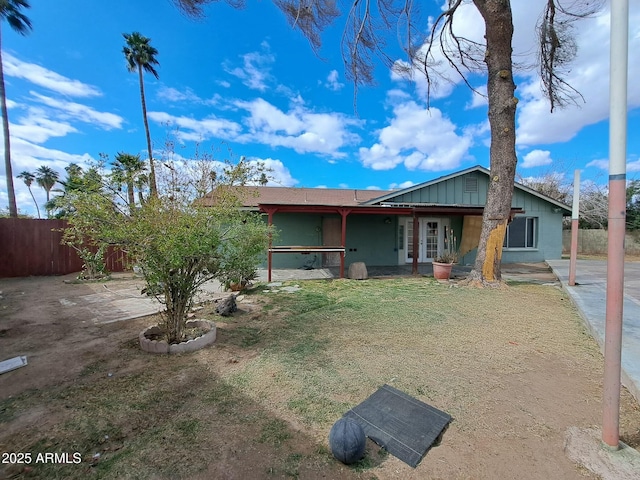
(161, 346)
(442, 271)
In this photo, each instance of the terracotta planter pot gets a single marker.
(442, 271)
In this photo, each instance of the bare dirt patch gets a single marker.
(514, 367)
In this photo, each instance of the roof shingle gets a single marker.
(254, 196)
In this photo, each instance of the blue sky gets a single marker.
(244, 81)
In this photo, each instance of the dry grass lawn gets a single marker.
(514, 367)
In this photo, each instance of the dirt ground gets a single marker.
(66, 350)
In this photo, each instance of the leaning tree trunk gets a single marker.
(502, 119)
(152, 171)
(34, 200)
(13, 208)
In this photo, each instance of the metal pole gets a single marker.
(575, 214)
(616, 229)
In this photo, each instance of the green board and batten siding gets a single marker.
(456, 191)
(449, 192)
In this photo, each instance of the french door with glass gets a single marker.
(430, 239)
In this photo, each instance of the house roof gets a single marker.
(396, 193)
(254, 196)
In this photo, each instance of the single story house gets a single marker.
(330, 227)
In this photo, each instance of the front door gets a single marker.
(431, 239)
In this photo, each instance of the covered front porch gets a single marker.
(527, 272)
(406, 236)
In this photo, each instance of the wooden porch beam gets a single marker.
(343, 213)
(416, 246)
(270, 211)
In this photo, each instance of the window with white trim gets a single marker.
(522, 232)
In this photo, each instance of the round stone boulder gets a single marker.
(347, 441)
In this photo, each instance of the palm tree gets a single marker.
(141, 182)
(28, 178)
(126, 169)
(140, 55)
(10, 10)
(46, 178)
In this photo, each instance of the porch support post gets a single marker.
(343, 213)
(270, 213)
(416, 246)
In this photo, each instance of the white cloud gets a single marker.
(46, 78)
(373, 187)
(589, 75)
(603, 164)
(407, 184)
(299, 128)
(173, 95)
(478, 97)
(537, 158)
(467, 23)
(589, 72)
(332, 82)
(36, 127)
(27, 156)
(280, 176)
(190, 129)
(418, 138)
(83, 113)
(255, 69)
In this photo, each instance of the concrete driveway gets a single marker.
(589, 295)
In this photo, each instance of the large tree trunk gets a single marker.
(502, 119)
(152, 171)
(13, 208)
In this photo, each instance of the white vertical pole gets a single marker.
(616, 225)
(575, 215)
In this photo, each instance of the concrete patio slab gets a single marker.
(589, 296)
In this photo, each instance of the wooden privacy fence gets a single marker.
(32, 247)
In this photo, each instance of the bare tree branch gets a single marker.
(557, 48)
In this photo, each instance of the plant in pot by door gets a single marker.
(443, 263)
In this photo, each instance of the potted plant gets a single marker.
(443, 263)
